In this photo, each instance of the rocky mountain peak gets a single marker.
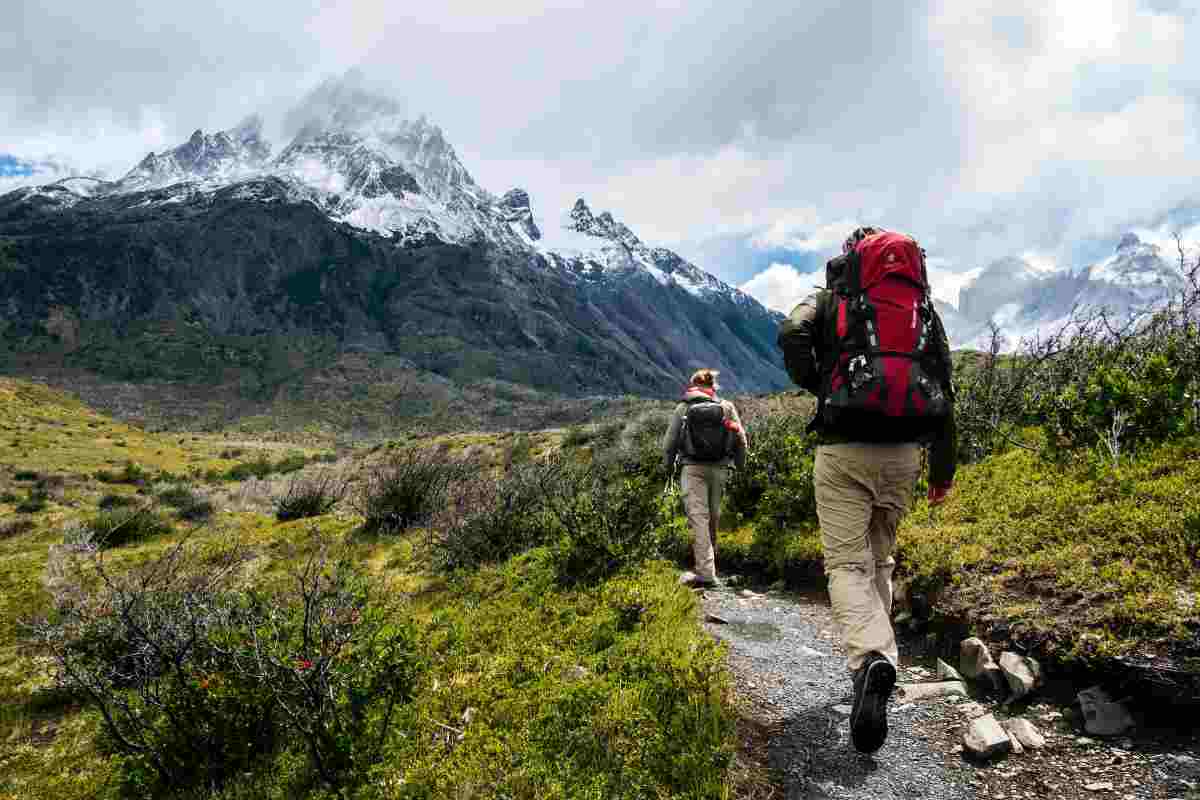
(1128, 241)
(514, 208)
(225, 154)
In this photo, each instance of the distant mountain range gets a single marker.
(219, 261)
(1024, 301)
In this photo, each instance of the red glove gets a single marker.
(937, 494)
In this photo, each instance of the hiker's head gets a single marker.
(705, 379)
(857, 236)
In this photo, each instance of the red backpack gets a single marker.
(887, 371)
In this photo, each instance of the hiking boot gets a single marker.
(873, 684)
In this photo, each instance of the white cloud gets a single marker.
(780, 287)
(985, 129)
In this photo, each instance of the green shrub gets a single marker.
(189, 504)
(111, 501)
(290, 463)
(259, 468)
(488, 520)
(15, 527)
(197, 682)
(131, 473)
(35, 501)
(576, 436)
(124, 525)
(404, 491)
(779, 461)
(25, 475)
(310, 497)
(607, 521)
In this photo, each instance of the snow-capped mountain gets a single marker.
(1024, 300)
(217, 157)
(367, 226)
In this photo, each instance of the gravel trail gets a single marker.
(790, 675)
(790, 668)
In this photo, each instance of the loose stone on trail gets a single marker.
(1022, 673)
(945, 672)
(976, 663)
(921, 691)
(986, 739)
(1026, 733)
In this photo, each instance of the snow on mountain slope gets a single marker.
(358, 158)
(1027, 301)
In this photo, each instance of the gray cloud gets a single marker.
(986, 131)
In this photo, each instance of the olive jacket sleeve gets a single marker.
(800, 338)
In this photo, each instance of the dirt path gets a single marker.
(790, 675)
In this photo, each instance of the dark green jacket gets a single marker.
(802, 338)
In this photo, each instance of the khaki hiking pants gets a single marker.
(702, 486)
(863, 491)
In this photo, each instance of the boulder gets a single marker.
(922, 691)
(976, 664)
(1026, 733)
(945, 672)
(1022, 673)
(986, 739)
(1102, 716)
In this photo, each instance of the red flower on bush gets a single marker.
(303, 663)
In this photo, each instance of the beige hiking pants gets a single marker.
(863, 491)
(702, 486)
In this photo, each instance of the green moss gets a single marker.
(1075, 549)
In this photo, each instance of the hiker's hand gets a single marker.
(937, 494)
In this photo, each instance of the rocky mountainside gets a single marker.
(216, 262)
(1024, 300)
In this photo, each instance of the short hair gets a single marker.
(705, 377)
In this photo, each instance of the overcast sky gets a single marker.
(749, 136)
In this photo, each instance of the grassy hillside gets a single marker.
(511, 680)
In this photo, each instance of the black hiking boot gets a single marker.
(873, 684)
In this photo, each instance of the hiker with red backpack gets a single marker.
(707, 437)
(874, 351)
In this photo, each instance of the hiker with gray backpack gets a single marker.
(874, 351)
(706, 435)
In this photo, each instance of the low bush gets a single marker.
(197, 682)
(487, 520)
(310, 496)
(779, 462)
(15, 527)
(131, 473)
(111, 501)
(405, 491)
(35, 501)
(122, 526)
(607, 520)
(189, 504)
(25, 475)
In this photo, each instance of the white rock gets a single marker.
(976, 664)
(1026, 733)
(1101, 715)
(1017, 748)
(1099, 786)
(1022, 673)
(945, 672)
(844, 710)
(921, 691)
(985, 738)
